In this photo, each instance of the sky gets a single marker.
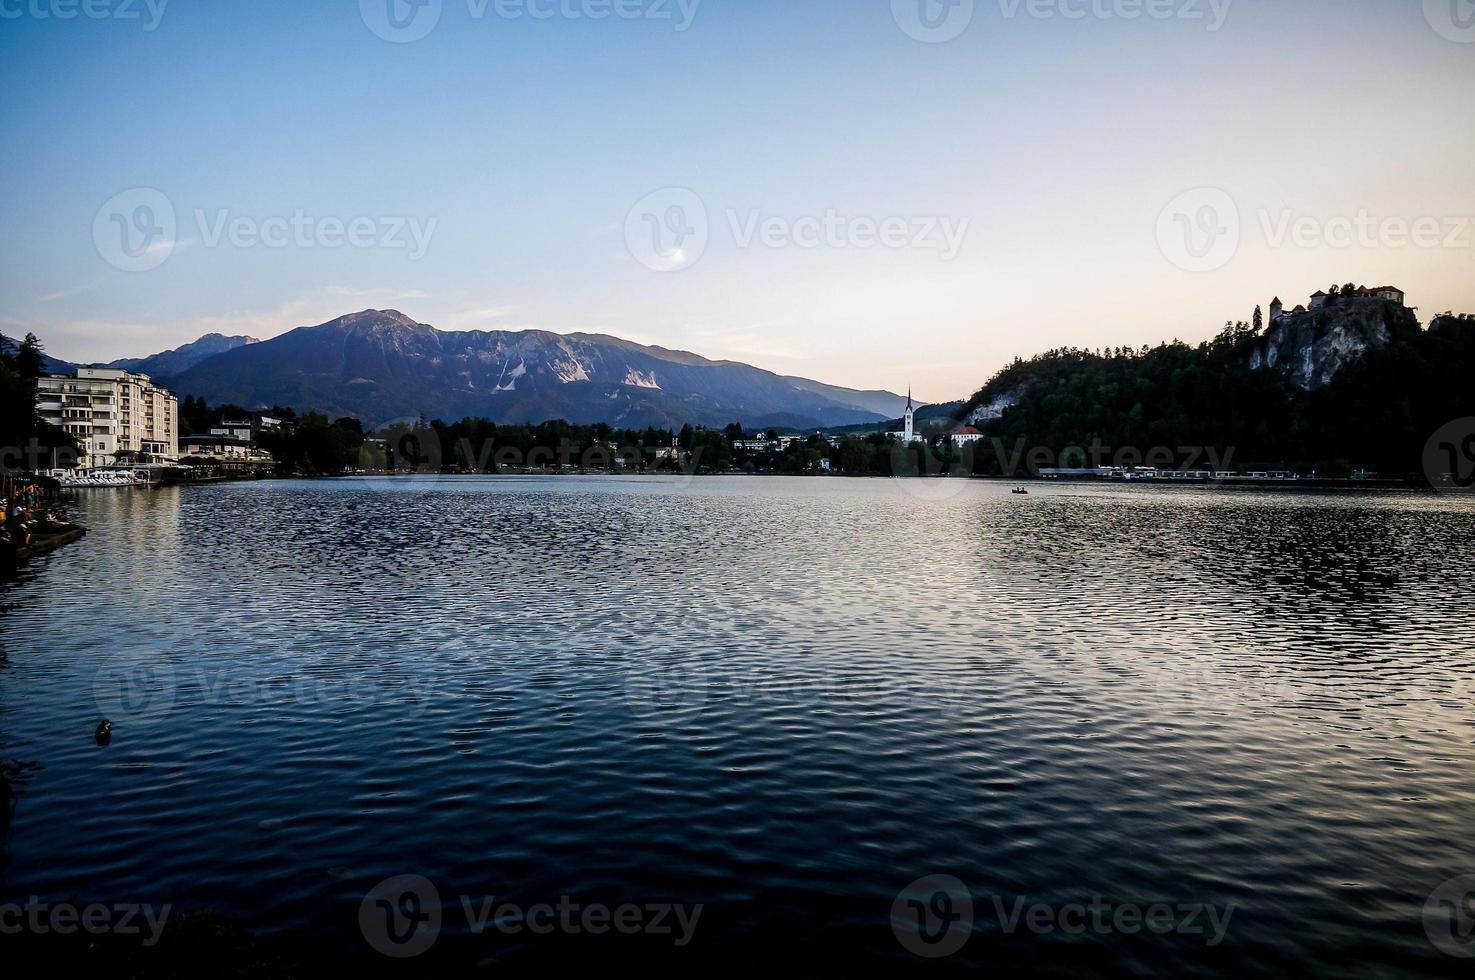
(875, 193)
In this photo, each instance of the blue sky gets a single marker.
(1052, 143)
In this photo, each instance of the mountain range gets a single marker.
(380, 365)
(164, 363)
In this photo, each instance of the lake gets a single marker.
(1175, 731)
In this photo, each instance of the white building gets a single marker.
(232, 441)
(222, 448)
(241, 431)
(965, 436)
(777, 443)
(112, 413)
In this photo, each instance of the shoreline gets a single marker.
(1244, 483)
(11, 559)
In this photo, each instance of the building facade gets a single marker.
(965, 435)
(115, 416)
(230, 445)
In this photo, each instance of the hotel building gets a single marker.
(116, 416)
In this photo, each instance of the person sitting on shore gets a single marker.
(19, 526)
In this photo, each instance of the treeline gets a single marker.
(26, 440)
(314, 445)
(1377, 413)
(476, 445)
(480, 446)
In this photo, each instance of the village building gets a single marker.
(964, 436)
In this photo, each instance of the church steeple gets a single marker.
(909, 426)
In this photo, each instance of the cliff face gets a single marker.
(1315, 346)
(994, 407)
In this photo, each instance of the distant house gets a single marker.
(231, 442)
(752, 445)
(766, 445)
(241, 430)
(1390, 293)
(221, 448)
(965, 436)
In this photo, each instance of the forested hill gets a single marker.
(1376, 412)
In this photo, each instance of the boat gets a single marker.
(1021, 492)
(121, 476)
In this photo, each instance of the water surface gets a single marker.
(785, 700)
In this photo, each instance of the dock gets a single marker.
(41, 544)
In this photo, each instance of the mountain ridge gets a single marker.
(164, 363)
(382, 365)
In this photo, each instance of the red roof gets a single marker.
(967, 430)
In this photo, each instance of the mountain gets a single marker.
(882, 403)
(55, 365)
(380, 365)
(180, 359)
(943, 413)
(162, 364)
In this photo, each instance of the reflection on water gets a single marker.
(783, 700)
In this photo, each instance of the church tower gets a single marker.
(910, 420)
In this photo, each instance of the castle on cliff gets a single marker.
(1319, 300)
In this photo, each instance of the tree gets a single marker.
(21, 427)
